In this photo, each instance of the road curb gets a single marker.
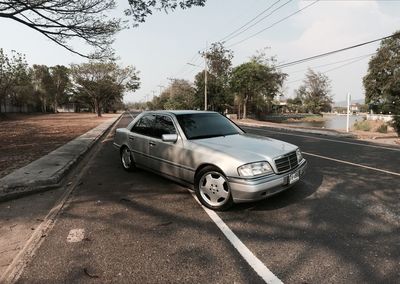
(48, 171)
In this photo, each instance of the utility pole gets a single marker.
(160, 86)
(348, 113)
(205, 78)
(173, 80)
(204, 54)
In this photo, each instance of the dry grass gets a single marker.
(373, 126)
(25, 138)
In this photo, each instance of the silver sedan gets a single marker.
(209, 153)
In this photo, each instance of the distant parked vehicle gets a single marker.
(207, 151)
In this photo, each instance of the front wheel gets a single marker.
(212, 189)
(127, 160)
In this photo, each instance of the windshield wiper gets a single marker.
(206, 136)
(212, 136)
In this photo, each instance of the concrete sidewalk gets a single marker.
(49, 170)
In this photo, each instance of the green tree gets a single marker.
(219, 63)
(14, 79)
(382, 81)
(140, 9)
(103, 83)
(60, 83)
(217, 98)
(6, 78)
(314, 93)
(63, 21)
(160, 101)
(21, 91)
(256, 81)
(42, 85)
(178, 95)
(295, 105)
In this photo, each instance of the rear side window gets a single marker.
(164, 125)
(145, 125)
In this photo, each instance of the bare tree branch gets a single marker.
(63, 21)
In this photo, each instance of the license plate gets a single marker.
(294, 177)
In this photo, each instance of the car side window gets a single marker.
(145, 125)
(164, 125)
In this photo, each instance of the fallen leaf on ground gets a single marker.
(90, 274)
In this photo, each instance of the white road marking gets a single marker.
(251, 259)
(130, 114)
(76, 235)
(326, 139)
(352, 164)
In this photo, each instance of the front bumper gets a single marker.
(245, 190)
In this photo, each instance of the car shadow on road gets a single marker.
(324, 229)
(293, 195)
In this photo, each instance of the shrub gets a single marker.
(383, 128)
(362, 125)
(396, 123)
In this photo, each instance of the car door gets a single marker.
(166, 156)
(139, 140)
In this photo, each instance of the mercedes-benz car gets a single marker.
(211, 154)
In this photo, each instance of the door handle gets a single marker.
(131, 138)
(151, 143)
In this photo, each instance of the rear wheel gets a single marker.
(126, 159)
(212, 189)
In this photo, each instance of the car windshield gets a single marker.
(206, 125)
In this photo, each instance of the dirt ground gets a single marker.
(27, 137)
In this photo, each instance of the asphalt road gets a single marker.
(340, 225)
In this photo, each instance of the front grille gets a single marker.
(286, 162)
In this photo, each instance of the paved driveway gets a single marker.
(341, 224)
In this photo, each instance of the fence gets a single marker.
(13, 108)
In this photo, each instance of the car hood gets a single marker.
(247, 148)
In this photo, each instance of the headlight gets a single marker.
(299, 155)
(255, 169)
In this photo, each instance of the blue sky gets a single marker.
(161, 47)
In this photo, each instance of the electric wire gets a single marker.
(333, 69)
(274, 24)
(239, 31)
(184, 69)
(284, 65)
(333, 63)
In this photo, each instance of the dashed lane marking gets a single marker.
(352, 164)
(76, 235)
(250, 258)
(130, 114)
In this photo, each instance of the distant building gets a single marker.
(354, 108)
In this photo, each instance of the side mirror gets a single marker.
(169, 137)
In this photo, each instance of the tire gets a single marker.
(126, 159)
(212, 189)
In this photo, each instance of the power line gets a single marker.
(184, 69)
(231, 35)
(332, 52)
(336, 62)
(254, 18)
(274, 24)
(335, 68)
